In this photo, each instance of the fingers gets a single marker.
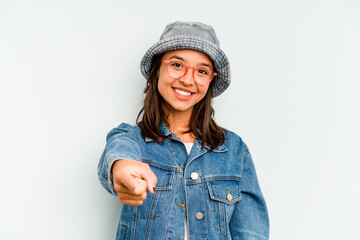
(138, 186)
(131, 171)
(126, 197)
(140, 189)
(131, 180)
(150, 178)
(134, 185)
(131, 202)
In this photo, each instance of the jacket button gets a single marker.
(194, 176)
(229, 197)
(198, 215)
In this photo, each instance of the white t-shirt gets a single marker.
(188, 147)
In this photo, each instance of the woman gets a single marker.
(178, 174)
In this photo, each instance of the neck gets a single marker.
(179, 122)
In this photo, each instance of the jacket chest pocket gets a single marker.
(154, 204)
(223, 196)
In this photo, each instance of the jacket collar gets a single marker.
(221, 148)
(166, 131)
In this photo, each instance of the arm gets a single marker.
(250, 219)
(121, 171)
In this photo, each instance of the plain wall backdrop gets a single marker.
(69, 73)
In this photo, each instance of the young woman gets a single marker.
(178, 174)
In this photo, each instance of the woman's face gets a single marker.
(181, 94)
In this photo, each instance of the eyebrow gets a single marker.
(201, 64)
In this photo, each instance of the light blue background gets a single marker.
(69, 72)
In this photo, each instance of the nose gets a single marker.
(188, 78)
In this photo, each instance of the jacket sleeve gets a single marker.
(121, 143)
(250, 220)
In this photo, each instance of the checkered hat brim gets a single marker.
(221, 62)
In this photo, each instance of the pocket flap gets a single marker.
(164, 178)
(226, 191)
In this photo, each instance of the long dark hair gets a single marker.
(202, 123)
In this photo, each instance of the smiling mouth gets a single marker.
(182, 92)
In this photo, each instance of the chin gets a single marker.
(181, 108)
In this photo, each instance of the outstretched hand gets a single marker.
(131, 180)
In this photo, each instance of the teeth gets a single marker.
(182, 92)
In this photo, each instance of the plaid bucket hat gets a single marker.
(195, 36)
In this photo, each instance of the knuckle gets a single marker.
(118, 187)
(145, 165)
(138, 191)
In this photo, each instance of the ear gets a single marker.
(157, 73)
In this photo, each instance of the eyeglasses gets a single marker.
(177, 69)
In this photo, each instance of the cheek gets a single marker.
(164, 82)
(203, 90)
(162, 87)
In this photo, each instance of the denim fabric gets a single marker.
(222, 200)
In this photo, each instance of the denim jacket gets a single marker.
(217, 190)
